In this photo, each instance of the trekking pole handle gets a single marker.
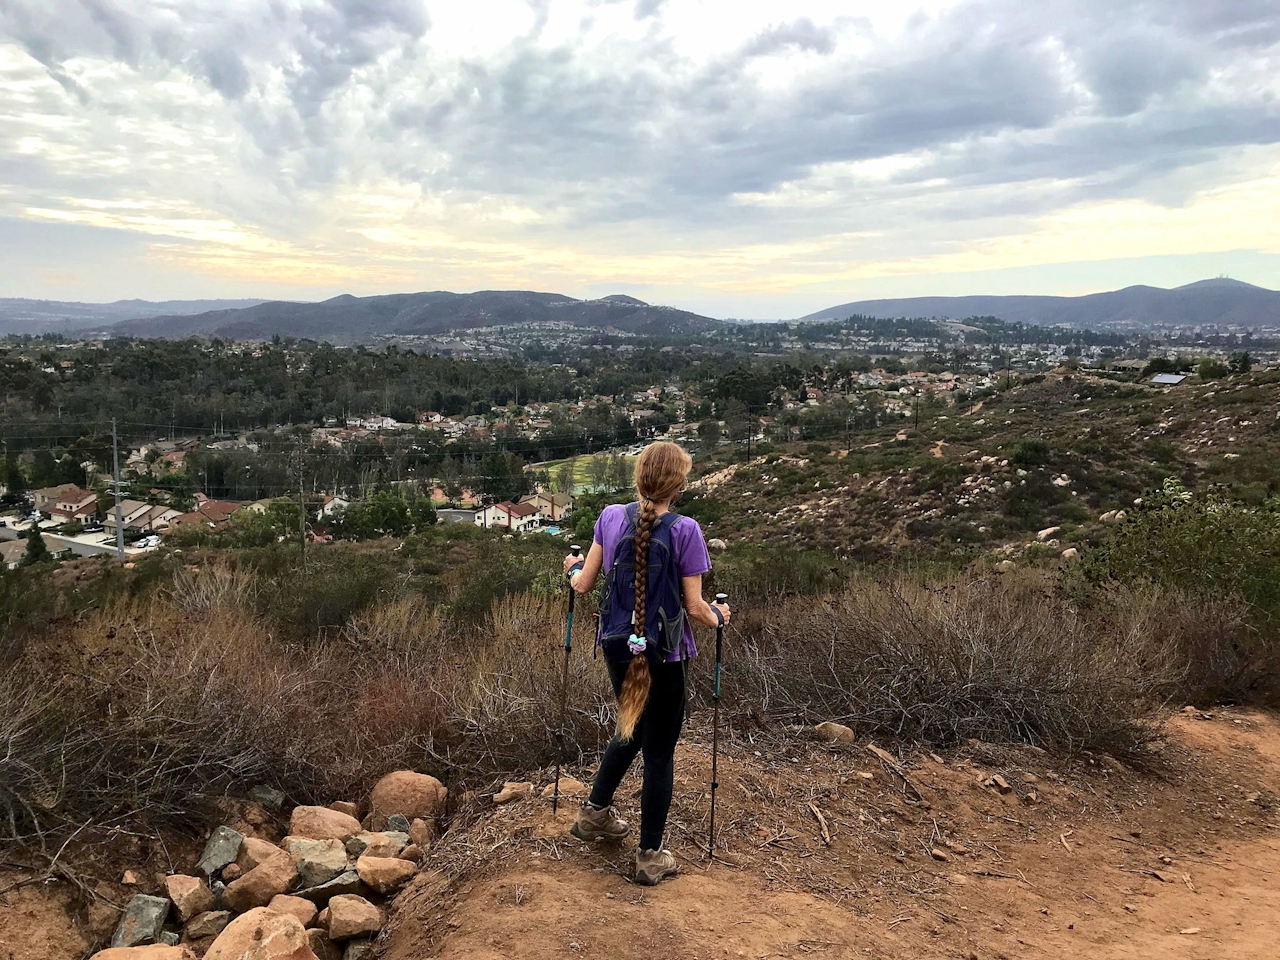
(576, 551)
(720, 598)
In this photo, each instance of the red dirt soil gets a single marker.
(1094, 861)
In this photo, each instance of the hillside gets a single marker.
(18, 315)
(1219, 301)
(348, 319)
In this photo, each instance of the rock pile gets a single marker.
(320, 894)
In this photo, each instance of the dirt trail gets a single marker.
(1063, 865)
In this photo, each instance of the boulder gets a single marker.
(189, 895)
(715, 543)
(1048, 533)
(318, 861)
(386, 875)
(834, 732)
(412, 852)
(569, 787)
(262, 935)
(348, 882)
(208, 924)
(158, 951)
(352, 916)
(512, 790)
(345, 806)
(1071, 553)
(407, 793)
(421, 832)
(304, 910)
(142, 921)
(254, 853)
(221, 849)
(384, 844)
(259, 885)
(321, 823)
(322, 946)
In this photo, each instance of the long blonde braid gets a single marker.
(660, 474)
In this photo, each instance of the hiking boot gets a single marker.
(598, 823)
(653, 866)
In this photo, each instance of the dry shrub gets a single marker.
(992, 658)
(202, 589)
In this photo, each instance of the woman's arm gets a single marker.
(585, 579)
(699, 610)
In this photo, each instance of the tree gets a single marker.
(1211, 368)
(563, 480)
(1240, 362)
(709, 435)
(598, 472)
(619, 473)
(37, 551)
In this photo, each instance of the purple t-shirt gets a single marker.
(687, 544)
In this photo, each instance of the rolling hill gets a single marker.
(18, 315)
(1219, 301)
(347, 319)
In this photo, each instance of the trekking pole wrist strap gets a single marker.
(719, 616)
(576, 568)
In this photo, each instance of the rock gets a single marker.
(255, 853)
(129, 879)
(1048, 533)
(421, 832)
(208, 924)
(513, 790)
(189, 895)
(231, 872)
(219, 891)
(142, 921)
(999, 783)
(304, 910)
(322, 946)
(345, 806)
(321, 823)
(356, 949)
(386, 875)
(1108, 517)
(256, 814)
(352, 916)
(269, 797)
(569, 787)
(1071, 553)
(717, 544)
(1120, 515)
(259, 885)
(262, 935)
(409, 794)
(397, 823)
(412, 853)
(169, 938)
(385, 844)
(348, 882)
(834, 732)
(318, 861)
(220, 850)
(939, 854)
(154, 952)
(1005, 566)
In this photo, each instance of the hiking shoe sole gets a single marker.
(645, 880)
(589, 836)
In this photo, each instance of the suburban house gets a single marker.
(509, 516)
(75, 504)
(46, 498)
(214, 513)
(11, 552)
(552, 507)
(331, 504)
(136, 515)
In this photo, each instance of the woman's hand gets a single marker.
(724, 610)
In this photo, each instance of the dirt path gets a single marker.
(1102, 863)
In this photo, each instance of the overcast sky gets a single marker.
(737, 158)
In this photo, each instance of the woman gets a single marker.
(648, 675)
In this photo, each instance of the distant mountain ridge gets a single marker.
(1221, 301)
(349, 319)
(21, 315)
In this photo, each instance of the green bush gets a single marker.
(1030, 452)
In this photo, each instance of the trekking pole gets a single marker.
(715, 731)
(564, 686)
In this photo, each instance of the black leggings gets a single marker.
(656, 735)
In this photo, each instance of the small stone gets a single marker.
(939, 854)
(219, 891)
(304, 910)
(321, 823)
(322, 946)
(386, 875)
(207, 924)
(142, 922)
(569, 787)
(221, 849)
(397, 823)
(345, 806)
(348, 882)
(352, 916)
(1000, 783)
(259, 885)
(231, 872)
(409, 794)
(130, 879)
(261, 935)
(834, 732)
(189, 895)
(412, 853)
(269, 797)
(420, 832)
(357, 949)
(513, 790)
(169, 938)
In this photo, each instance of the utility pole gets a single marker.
(115, 487)
(302, 515)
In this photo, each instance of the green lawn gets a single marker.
(581, 466)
